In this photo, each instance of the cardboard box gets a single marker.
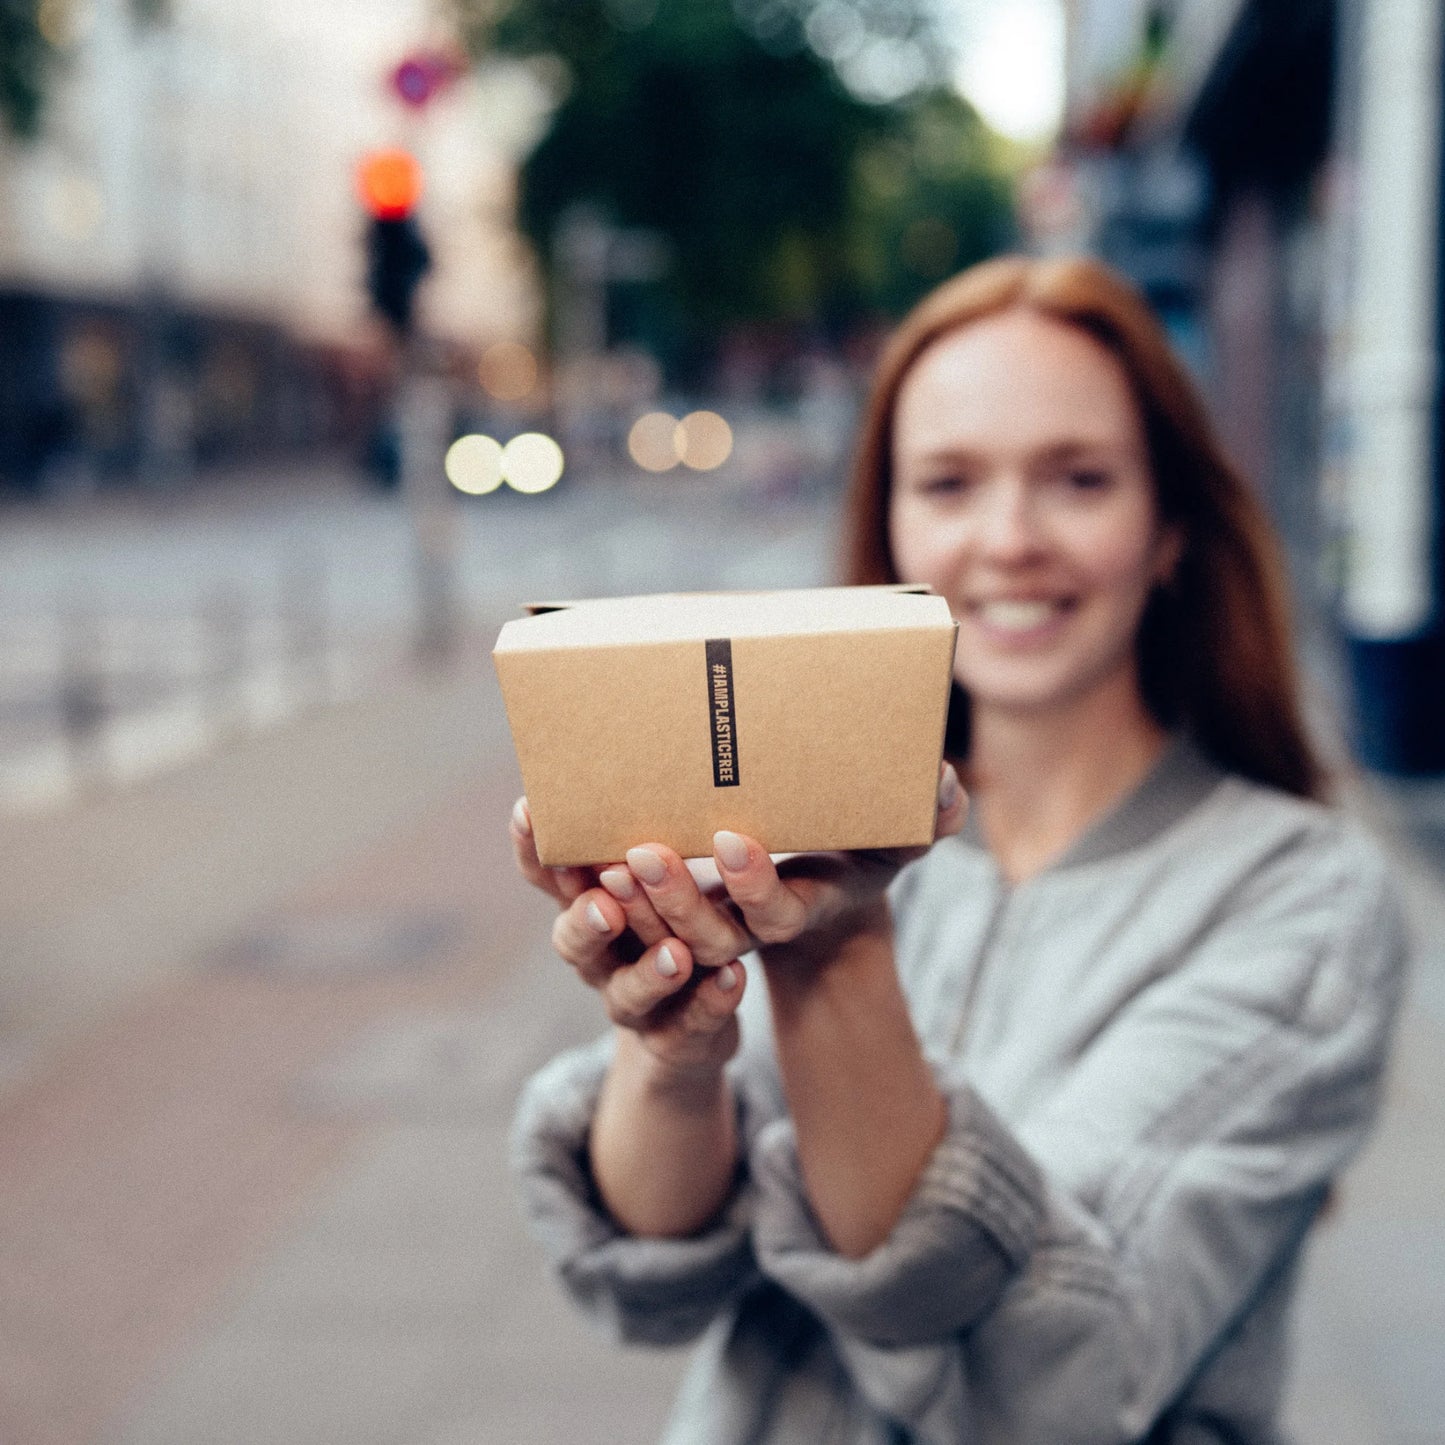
(806, 719)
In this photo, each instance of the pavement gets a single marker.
(265, 1015)
(254, 1186)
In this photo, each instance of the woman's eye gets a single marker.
(1088, 479)
(947, 484)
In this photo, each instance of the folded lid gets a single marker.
(688, 616)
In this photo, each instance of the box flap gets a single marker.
(685, 616)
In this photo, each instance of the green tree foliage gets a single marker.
(25, 57)
(785, 197)
(931, 198)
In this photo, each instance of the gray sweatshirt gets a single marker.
(1156, 1054)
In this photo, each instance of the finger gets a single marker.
(634, 992)
(524, 849)
(583, 934)
(714, 937)
(572, 883)
(715, 1000)
(952, 803)
(562, 884)
(641, 916)
(772, 911)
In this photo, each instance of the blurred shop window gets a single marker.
(226, 397)
(91, 368)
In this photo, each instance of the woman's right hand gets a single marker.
(682, 1013)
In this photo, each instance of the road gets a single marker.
(137, 632)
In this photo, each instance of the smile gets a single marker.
(1020, 617)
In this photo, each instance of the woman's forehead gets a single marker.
(1016, 379)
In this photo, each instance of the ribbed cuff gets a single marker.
(656, 1291)
(968, 1226)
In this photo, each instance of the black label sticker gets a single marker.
(720, 713)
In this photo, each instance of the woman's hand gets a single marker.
(797, 912)
(663, 1142)
(679, 999)
(867, 1111)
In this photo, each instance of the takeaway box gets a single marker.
(806, 719)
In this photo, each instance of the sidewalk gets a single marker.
(1371, 1322)
(254, 1185)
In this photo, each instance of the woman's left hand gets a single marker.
(800, 909)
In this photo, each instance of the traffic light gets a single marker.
(390, 183)
(397, 259)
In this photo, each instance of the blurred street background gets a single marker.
(331, 334)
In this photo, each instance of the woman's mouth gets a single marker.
(1020, 618)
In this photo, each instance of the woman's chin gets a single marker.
(1014, 683)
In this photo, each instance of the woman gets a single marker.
(1020, 1142)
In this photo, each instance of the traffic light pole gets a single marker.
(423, 419)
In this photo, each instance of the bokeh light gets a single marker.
(507, 371)
(63, 23)
(474, 464)
(703, 440)
(74, 207)
(653, 442)
(532, 462)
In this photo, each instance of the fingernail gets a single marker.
(666, 963)
(948, 788)
(618, 882)
(598, 919)
(731, 850)
(727, 980)
(647, 865)
(521, 817)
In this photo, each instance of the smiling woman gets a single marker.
(1022, 494)
(1023, 1136)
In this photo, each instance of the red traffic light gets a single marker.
(389, 183)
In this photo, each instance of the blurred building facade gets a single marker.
(181, 270)
(1269, 172)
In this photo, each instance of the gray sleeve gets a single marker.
(969, 1224)
(652, 1291)
(1066, 1280)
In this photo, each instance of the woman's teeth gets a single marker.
(1017, 616)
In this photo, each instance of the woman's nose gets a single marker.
(1008, 523)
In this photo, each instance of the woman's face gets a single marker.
(1022, 493)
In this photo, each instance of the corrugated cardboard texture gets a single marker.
(839, 699)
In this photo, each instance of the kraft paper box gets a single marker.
(807, 719)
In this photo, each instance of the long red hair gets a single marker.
(1215, 647)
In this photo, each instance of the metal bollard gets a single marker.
(224, 620)
(436, 520)
(82, 699)
(305, 622)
